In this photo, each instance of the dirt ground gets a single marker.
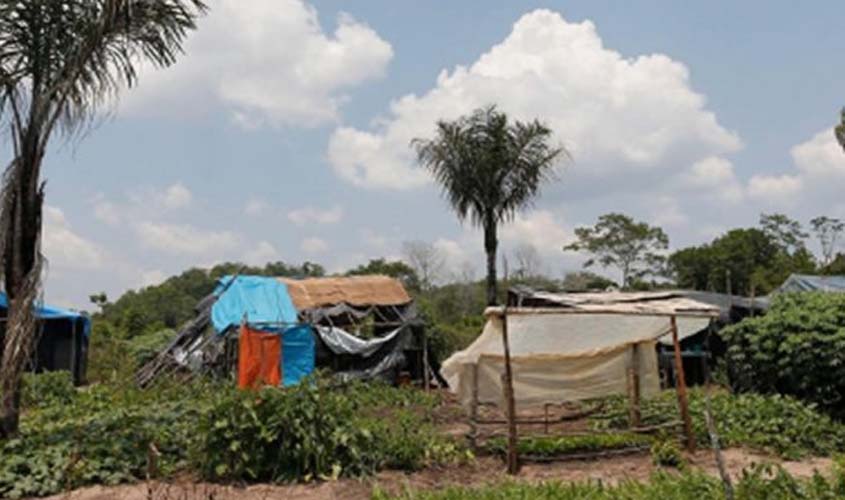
(485, 470)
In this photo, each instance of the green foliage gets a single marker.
(553, 446)
(666, 453)
(395, 269)
(797, 348)
(635, 248)
(104, 434)
(47, 389)
(760, 482)
(100, 436)
(775, 424)
(750, 261)
(584, 281)
(146, 346)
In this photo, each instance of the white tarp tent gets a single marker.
(580, 351)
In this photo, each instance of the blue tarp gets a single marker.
(268, 308)
(811, 283)
(297, 354)
(263, 300)
(49, 312)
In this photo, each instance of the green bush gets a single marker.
(776, 424)
(797, 348)
(47, 389)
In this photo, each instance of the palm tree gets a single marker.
(839, 131)
(489, 169)
(60, 62)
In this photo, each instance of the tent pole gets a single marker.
(681, 387)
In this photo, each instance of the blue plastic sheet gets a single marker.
(268, 308)
(297, 354)
(50, 312)
(265, 301)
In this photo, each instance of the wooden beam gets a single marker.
(681, 388)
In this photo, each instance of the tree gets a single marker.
(527, 262)
(488, 170)
(635, 248)
(426, 259)
(839, 131)
(584, 281)
(395, 269)
(786, 233)
(827, 230)
(60, 61)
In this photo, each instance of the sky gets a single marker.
(283, 132)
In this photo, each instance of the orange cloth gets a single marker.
(259, 355)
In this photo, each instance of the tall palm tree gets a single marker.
(489, 169)
(60, 61)
(839, 131)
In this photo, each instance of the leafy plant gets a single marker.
(666, 453)
(47, 389)
(776, 424)
(797, 348)
(552, 446)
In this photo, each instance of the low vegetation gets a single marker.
(555, 446)
(757, 483)
(109, 434)
(771, 423)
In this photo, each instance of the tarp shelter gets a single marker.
(264, 305)
(572, 347)
(811, 283)
(62, 342)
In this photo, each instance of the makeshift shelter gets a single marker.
(572, 347)
(359, 327)
(62, 339)
(811, 283)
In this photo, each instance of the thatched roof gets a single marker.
(359, 291)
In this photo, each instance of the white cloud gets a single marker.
(152, 277)
(262, 253)
(255, 207)
(716, 175)
(107, 212)
(615, 115)
(820, 157)
(780, 188)
(66, 249)
(668, 212)
(538, 228)
(176, 196)
(314, 245)
(311, 215)
(266, 61)
(185, 239)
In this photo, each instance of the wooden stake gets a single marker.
(513, 459)
(634, 387)
(711, 424)
(681, 387)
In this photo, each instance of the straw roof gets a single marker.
(360, 291)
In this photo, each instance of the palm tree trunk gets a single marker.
(20, 226)
(491, 243)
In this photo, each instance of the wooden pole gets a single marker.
(711, 425)
(473, 409)
(513, 459)
(634, 388)
(681, 387)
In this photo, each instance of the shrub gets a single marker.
(797, 348)
(47, 389)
